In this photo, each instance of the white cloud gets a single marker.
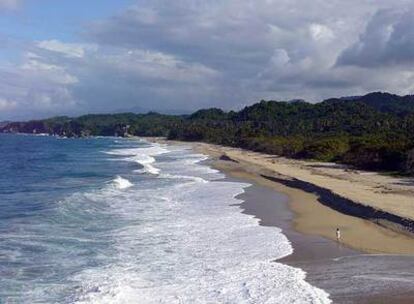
(320, 32)
(157, 65)
(280, 58)
(36, 87)
(255, 46)
(70, 50)
(54, 73)
(189, 54)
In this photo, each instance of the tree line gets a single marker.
(373, 132)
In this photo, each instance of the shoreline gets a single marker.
(311, 216)
(327, 263)
(344, 270)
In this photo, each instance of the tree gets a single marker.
(409, 167)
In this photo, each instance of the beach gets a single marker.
(349, 276)
(372, 263)
(312, 216)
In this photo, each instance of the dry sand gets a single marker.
(387, 193)
(349, 276)
(391, 194)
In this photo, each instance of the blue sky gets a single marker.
(54, 19)
(75, 57)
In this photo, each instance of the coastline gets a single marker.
(346, 272)
(349, 276)
(344, 269)
(311, 216)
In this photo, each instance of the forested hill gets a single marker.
(375, 131)
(385, 102)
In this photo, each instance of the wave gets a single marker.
(184, 177)
(146, 162)
(177, 238)
(121, 183)
(194, 245)
(143, 156)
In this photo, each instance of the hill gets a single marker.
(385, 102)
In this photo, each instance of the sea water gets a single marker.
(109, 220)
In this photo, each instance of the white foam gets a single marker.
(146, 161)
(184, 177)
(122, 183)
(155, 149)
(143, 156)
(188, 242)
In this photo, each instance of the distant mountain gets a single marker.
(386, 102)
(350, 97)
(383, 102)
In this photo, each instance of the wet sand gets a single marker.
(348, 275)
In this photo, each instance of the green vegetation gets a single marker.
(374, 132)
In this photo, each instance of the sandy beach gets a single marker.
(344, 269)
(349, 276)
(314, 216)
(373, 262)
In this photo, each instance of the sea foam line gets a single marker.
(143, 156)
(121, 183)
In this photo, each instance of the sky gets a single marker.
(72, 57)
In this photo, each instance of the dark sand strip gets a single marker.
(347, 206)
(349, 276)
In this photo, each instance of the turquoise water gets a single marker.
(110, 220)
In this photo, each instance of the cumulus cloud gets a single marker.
(63, 78)
(263, 49)
(387, 40)
(35, 88)
(151, 80)
(183, 55)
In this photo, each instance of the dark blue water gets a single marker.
(38, 170)
(40, 242)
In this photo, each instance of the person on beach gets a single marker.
(338, 234)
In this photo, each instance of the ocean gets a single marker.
(113, 220)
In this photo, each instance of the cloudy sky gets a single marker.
(77, 56)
